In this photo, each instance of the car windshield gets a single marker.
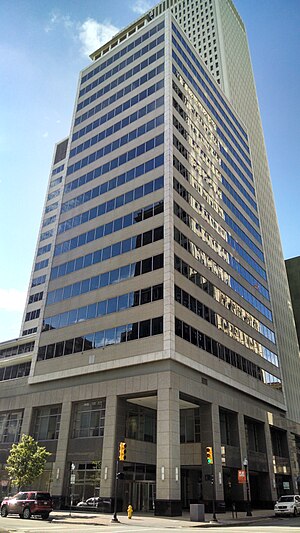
(286, 499)
(21, 496)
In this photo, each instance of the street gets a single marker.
(35, 525)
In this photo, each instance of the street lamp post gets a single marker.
(245, 463)
(72, 482)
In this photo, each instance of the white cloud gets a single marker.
(12, 299)
(45, 134)
(56, 18)
(141, 6)
(90, 33)
(93, 34)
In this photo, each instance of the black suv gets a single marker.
(28, 503)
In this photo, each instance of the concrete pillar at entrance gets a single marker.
(243, 451)
(27, 414)
(168, 496)
(211, 436)
(269, 451)
(59, 467)
(109, 448)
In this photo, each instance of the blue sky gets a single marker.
(43, 46)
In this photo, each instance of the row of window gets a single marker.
(200, 209)
(239, 200)
(15, 371)
(117, 110)
(47, 234)
(55, 182)
(100, 339)
(111, 205)
(206, 101)
(51, 207)
(111, 277)
(203, 140)
(139, 53)
(29, 331)
(234, 165)
(118, 143)
(49, 220)
(35, 297)
(209, 263)
(53, 194)
(119, 248)
(113, 183)
(57, 170)
(208, 161)
(44, 249)
(38, 281)
(183, 151)
(195, 179)
(197, 132)
(32, 315)
(200, 281)
(41, 264)
(142, 38)
(10, 426)
(230, 147)
(192, 102)
(16, 350)
(116, 96)
(117, 162)
(110, 227)
(104, 307)
(222, 252)
(206, 343)
(197, 307)
(208, 79)
(114, 128)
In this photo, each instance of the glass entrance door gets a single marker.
(141, 495)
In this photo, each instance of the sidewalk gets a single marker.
(148, 520)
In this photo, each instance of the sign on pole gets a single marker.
(241, 476)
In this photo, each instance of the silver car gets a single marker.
(288, 505)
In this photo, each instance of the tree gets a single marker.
(26, 461)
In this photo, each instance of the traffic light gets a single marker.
(209, 455)
(122, 451)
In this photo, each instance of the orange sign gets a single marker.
(241, 476)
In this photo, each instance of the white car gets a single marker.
(90, 502)
(289, 504)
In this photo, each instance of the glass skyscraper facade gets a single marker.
(151, 316)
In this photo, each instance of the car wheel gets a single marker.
(26, 513)
(4, 511)
(45, 516)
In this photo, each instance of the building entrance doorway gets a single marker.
(140, 494)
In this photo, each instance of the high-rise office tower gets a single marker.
(151, 293)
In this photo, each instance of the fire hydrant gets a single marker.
(129, 511)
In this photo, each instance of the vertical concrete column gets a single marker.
(109, 448)
(60, 466)
(292, 448)
(271, 486)
(243, 448)
(168, 493)
(26, 422)
(169, 304)
(211, 436)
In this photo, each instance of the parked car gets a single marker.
(90, 502)
(28, 503)
(289, 504)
